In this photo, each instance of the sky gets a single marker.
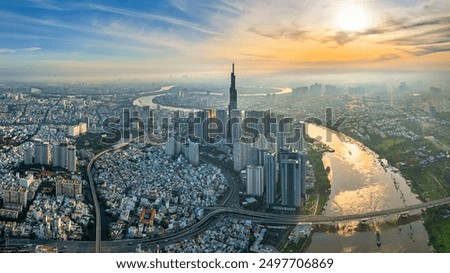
(46, 40)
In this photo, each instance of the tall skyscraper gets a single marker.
(206, 128)
(209, 125)
(60, 154)
(241, 155)
(292, 177)
(233, 92)
(41, 152)
(170, 145)
(257, 156)
(234, 125)
(281, 141)
(222, 119)
(71, 158)
(38, 151)
(255, 180)
(193, 153)
(329, 117)
(255, 121)
(270, 178)
(299, 130)
(233, 99)
(28, 158)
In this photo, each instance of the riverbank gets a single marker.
(426, 180)
(322, 185)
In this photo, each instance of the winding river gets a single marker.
(362, 182)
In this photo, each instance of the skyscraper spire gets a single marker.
(233, 92)
(232, 105)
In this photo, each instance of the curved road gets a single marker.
(98, 219)
(230, 198)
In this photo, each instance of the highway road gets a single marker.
(289, 219)
(98, 219)
(283, 219)
(217, 212)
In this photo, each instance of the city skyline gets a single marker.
(181, 40)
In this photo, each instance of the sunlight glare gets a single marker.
(352, 17)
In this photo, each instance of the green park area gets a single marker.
(296, 247)
(322, 184)
(427, 180)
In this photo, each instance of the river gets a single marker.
(362, 182)
(148, 100)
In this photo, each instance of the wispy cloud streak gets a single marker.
(149, 16)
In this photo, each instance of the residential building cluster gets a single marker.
(426, 156)
(371, 117)
(16, 133)
(10, 156)
(230, 235)
(140, 178)
(46, 216)
(59, 154)
(78, 129)
(374, 120)
(27, 110)
(190, 151)
(16, 193)
(60, 217)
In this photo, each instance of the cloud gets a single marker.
(431, 49)
(340, 38)
(181, 5)
(32, 49)
(427, 37)
(406, 23)
(154, 17)
(140, 38)
(290, 33)
(204, 8)
(7, 51)
(343, 37)
(257, 56)
(386, 57)
(12, 51)
(423, 31)
(38, 23)
(46, 4)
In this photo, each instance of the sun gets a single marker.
(351, 17)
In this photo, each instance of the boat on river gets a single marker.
(378, 238)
